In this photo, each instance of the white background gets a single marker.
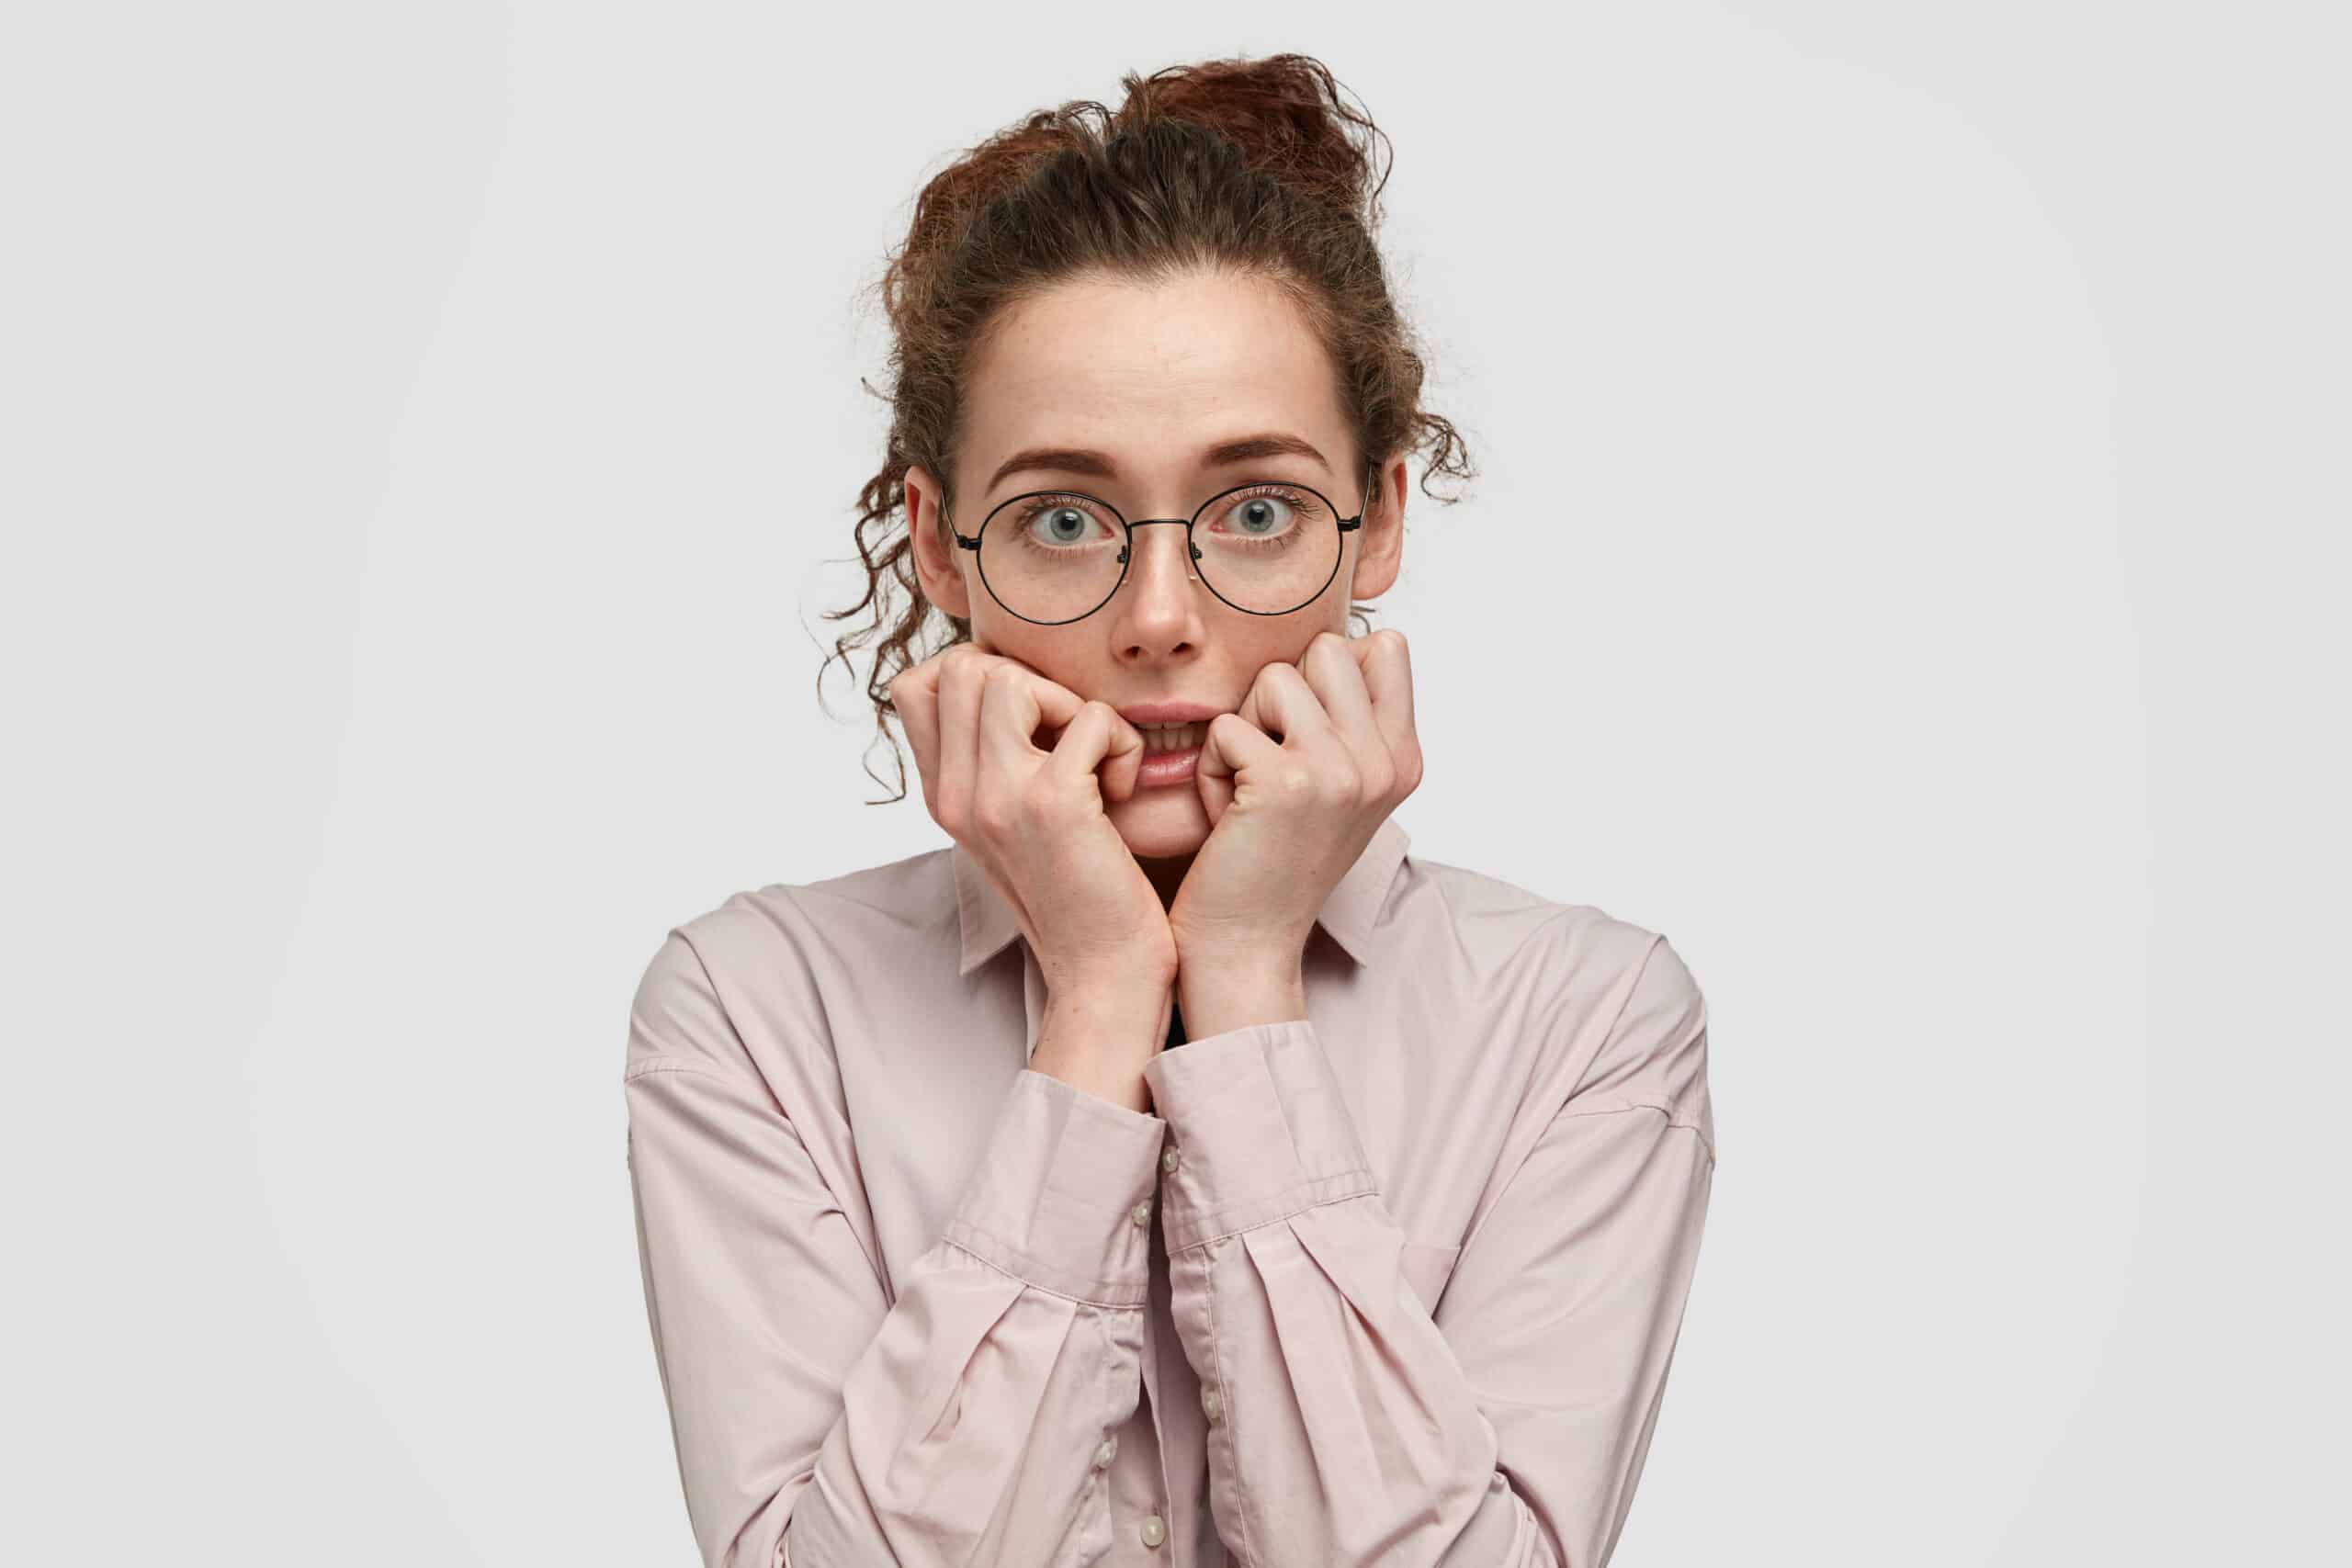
(1914, 440)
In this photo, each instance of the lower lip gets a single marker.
(1168, 768)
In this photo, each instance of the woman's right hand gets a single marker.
(1034, 819)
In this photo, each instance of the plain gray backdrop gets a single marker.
(1907, 569)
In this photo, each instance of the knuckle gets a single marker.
(993, 816)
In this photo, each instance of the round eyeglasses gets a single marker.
(1051, 557)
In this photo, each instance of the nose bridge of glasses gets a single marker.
(1179, 541)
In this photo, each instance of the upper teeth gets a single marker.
(1170, 737)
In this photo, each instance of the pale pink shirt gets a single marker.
(1399, 1285)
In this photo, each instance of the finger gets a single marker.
(1099, 739)
(1388, 677)
(1235, 746)
(1285, 706)
(914, 696)
(960, 676)
(1015, 703)
(1334, 671)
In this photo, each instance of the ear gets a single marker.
(938, 566)
(1381, 555)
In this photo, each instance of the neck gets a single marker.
(1166, 875)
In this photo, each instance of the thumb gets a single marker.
(1212, 774)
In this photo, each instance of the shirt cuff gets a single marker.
(1063, 1196)
(1259, 1131)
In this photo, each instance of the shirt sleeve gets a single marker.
(815, 1420)
(1348, 1425)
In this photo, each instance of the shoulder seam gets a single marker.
(668, 1065)
(1672, 1121)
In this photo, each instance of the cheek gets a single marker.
(1040, 652)
(1299, 638)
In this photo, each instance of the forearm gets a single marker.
(1341, 1431)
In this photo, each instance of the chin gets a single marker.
(1159, 824)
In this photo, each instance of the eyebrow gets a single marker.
(1083, 460)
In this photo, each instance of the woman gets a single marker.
(1277, 1197)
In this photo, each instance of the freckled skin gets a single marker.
(1154, 375)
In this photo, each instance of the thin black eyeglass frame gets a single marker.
(1192, 551)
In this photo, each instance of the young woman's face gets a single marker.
(1151, 376)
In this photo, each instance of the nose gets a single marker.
(1159, 561)
(1156, 605)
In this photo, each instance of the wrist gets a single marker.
(1110, 999)
(1275, 964)
(1105, 981)
(1097, 1038)
(1218, 997)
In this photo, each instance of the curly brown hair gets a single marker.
(1243, 165)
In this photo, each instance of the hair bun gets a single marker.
(1285, 112)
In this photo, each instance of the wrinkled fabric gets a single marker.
(1396, 1284)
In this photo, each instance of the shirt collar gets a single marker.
(1348, 914)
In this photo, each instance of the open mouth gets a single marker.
(1175, 765)
(1160, 738)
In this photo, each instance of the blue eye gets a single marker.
(1067, 524)
(1273, 515)
(1251, 514)
(1051, 523)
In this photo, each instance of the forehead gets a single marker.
(1150, 373)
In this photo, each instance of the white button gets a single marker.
(1142, 1215)
(1155, 1529)
(1168, 1158)
(1102, 1454)
(1211, 1403)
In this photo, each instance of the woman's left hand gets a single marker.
(1288, 818)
